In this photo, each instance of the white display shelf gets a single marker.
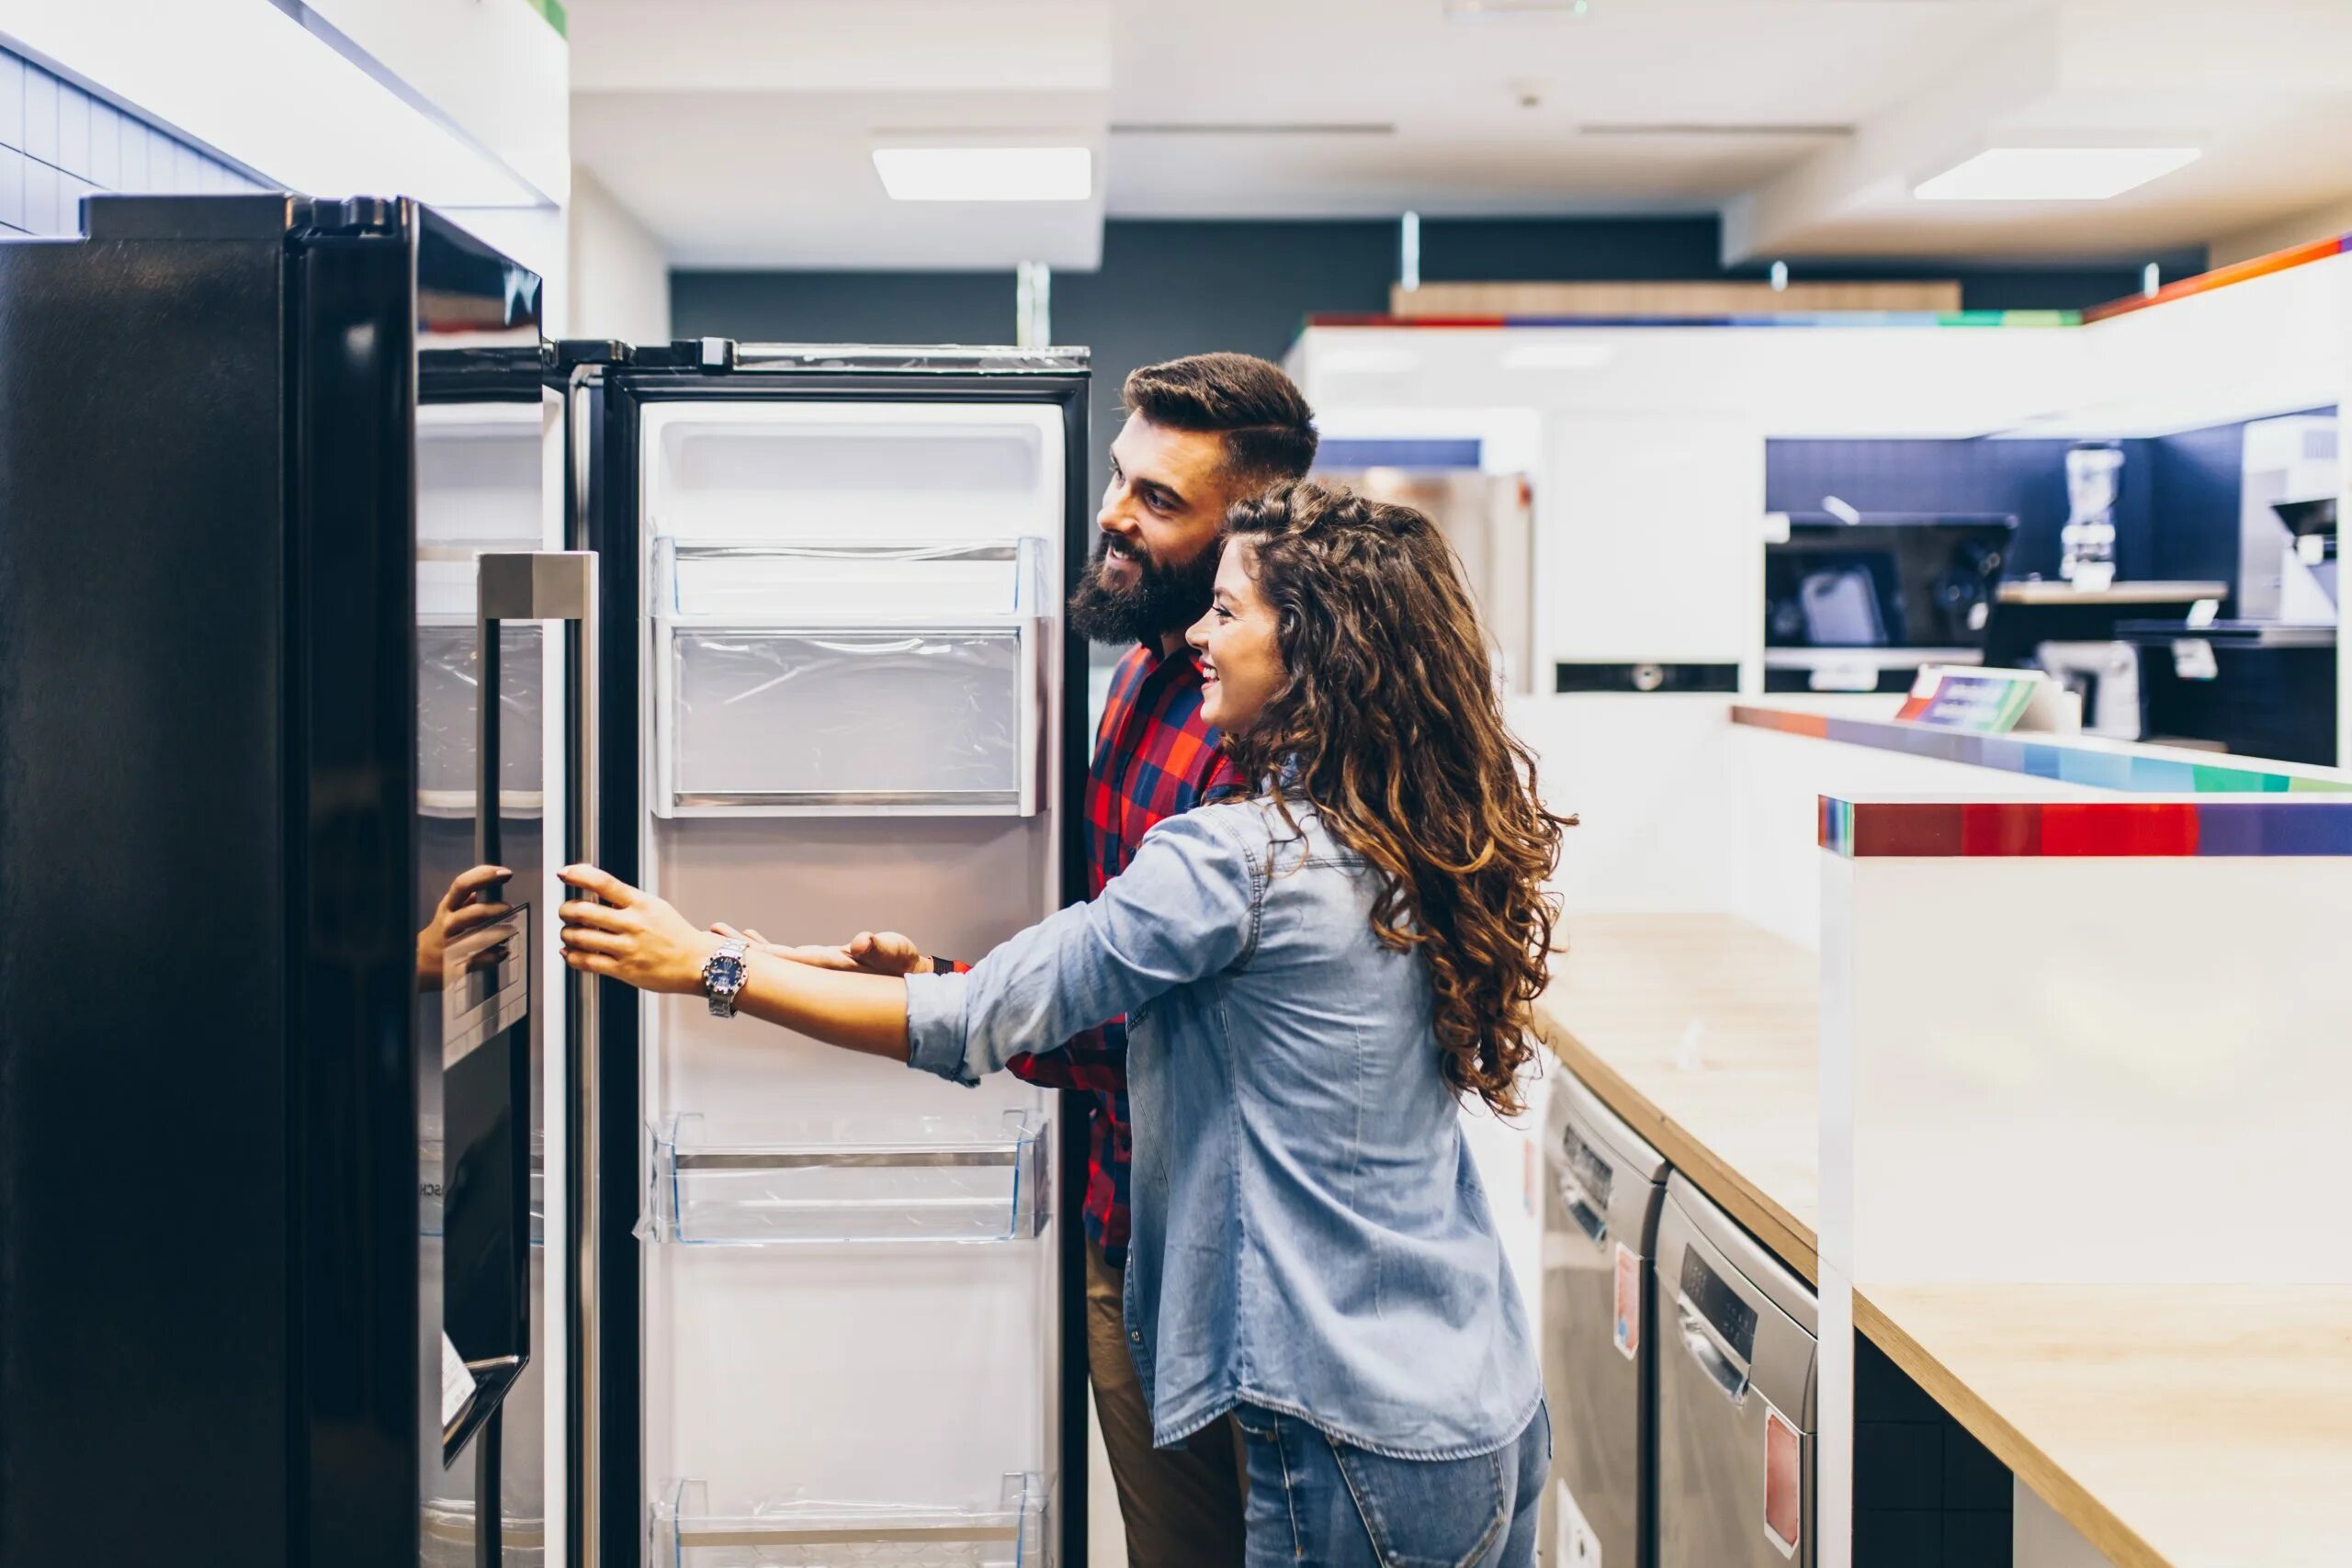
(928, 1181)
(853, 679)
(688, 1533)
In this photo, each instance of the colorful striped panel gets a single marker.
(2222, 277)
(1945, 828)
(1787, 319)
(2144, 772)
(2203, 283)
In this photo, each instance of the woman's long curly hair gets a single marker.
(1389, 723)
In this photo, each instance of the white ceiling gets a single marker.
(740, 131)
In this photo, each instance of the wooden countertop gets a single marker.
(2174, 1425)
(1702, 1031)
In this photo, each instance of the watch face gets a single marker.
(726, 973)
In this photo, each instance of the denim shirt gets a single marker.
(1309, 1232)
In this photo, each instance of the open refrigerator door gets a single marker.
(850, 680)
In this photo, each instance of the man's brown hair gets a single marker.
(1269, 430)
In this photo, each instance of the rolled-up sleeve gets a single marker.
(1186, 907)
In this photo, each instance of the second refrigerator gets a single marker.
(826, 1308)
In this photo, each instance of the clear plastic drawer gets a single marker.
(848, 679)
(808, 1533)
(916, 1180)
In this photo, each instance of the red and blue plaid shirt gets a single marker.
(1154, 758)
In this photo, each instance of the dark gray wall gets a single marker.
(1171, 288)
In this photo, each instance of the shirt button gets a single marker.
(1136, 1335)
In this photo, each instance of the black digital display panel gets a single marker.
(1734, 1319)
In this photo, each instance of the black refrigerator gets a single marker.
(332, 1205)
(274, 1141)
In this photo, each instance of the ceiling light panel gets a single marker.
(2053, 174)
(985, 173)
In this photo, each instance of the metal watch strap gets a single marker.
(731, 953)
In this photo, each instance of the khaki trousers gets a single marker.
(1182, 1506)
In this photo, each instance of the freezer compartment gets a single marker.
(799, 468)
(802, 1533)
(862, 1180)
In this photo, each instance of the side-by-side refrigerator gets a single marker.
(342, 1225)
(829, 1303)
(285, 1053)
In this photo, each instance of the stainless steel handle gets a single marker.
(560, 585)
(1589, 1216)
(1726, 1370)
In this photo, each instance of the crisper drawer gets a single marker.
(771, 720)
(849, 677)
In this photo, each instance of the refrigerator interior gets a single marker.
(487, 481)
(850, 708)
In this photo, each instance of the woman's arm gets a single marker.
(636, 938)
(1184, 909)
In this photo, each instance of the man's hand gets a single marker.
(631, 936)
(871, 953)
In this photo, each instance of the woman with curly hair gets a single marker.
(1312, 978)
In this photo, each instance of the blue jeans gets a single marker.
(1315, 1500)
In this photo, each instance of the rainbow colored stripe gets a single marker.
(2175, 829)
(2141, 772)
(1789, 319)
(2203, 283)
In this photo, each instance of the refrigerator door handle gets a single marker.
(557, 585)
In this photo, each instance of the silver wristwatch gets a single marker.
(723, 975)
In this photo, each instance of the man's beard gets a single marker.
(1162, 599)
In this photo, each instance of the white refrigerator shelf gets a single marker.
(933, 1180)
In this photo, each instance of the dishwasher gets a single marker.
(1601, 1209)
(1735, 1394)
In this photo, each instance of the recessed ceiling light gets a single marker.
(2053, 174)
(985, 173)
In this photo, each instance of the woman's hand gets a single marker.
(467, 906)
(632, 936)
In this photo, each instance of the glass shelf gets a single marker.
(688, 1533)
(927, 1181)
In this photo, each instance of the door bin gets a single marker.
(1735, 1394)
(1601, 1196)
